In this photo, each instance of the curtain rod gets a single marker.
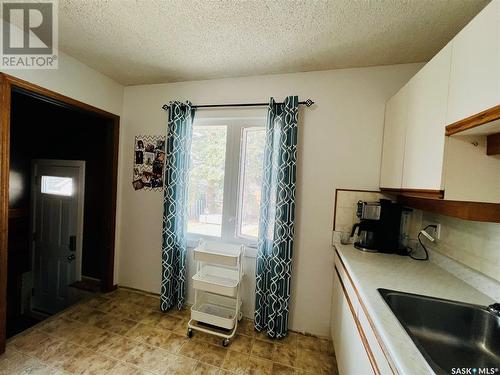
(307, 103)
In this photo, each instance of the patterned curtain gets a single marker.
(178, 145)
(277, 217)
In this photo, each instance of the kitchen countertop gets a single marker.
(370, 271)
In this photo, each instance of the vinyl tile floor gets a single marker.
(125, 333)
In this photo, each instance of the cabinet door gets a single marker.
(349, 350)
(396, 112)
(475, 66)
(424, 146)
(379, 356)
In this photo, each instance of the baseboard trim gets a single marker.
(137, 290)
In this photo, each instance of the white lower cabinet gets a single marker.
(352, 357)
(373, 342)
(357, 347)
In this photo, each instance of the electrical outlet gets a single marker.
(436, 232)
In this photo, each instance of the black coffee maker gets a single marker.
(379, 226)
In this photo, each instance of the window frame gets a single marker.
(233, 184)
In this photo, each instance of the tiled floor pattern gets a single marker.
(124, 333)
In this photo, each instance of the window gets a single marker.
(252, 152)
(57, 185)
(206, 180)
(225, 179)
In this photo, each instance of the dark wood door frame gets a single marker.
(7, 84)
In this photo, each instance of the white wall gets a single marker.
(340, 142)
(80, 82)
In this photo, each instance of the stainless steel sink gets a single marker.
(449, 334)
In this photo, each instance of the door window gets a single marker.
(56, 185)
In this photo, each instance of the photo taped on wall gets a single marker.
(138, 184)
(139, 157)
(149, 157)
(156, 182)
(157, 168)
(139, 144)
(146, 178)
(160, 145)
(160, 156)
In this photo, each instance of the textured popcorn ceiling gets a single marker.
(154, 41)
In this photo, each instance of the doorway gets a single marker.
(36, 123)
(57, 202)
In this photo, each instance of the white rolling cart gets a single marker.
(217, 306)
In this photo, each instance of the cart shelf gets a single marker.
(218, 280)
(217, 289)
(219, 253)
(215, 310)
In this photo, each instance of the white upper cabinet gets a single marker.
(475, 66)
(462, 80)
(425, 136)
(396, 116)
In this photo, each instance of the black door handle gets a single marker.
(71, 257)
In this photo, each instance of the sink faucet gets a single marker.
(494, 309)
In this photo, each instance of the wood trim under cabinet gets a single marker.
(481, 118)
(474, 211)
(423, 193)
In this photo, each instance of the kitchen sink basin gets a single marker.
(449, 334)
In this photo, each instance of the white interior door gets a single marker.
(57, 224)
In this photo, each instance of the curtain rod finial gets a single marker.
(309, 103)
(165, 106)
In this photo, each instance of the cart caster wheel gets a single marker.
(225, 343)
(190, 333)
